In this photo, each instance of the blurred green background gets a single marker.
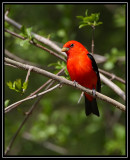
(59, 126)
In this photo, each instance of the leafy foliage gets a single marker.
(112, 58)
(117, 142)
(91, 20)
(18, 86)
(60, 65)
(26, 32)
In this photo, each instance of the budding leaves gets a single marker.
(91, 20)
(18, 86)
(60, 65)
(26, 32)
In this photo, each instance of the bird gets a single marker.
(83, 69)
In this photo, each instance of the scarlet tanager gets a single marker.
(83, 69)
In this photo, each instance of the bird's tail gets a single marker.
(91, 107)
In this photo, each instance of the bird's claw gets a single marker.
(93, 92)
(75, 83)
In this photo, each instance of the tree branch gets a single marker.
(66, 82)
(113, 86)
(51, 44)
(14, 105)
(113, 76)
(36, 36)
(35, 44)
(16, 58)
(103, 78)
(92, 47)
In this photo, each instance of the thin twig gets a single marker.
(7, 64)
(7, 12)
(16, 58)
(28, 74)
(12, 106)
(48, 42)
(41, 87)
(37, 37)
(49, 81)
(92, 47)
(35, 44)
(67, 82)
(80, 97)
(113, 86)
(113, 76)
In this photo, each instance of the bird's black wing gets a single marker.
(95, 68)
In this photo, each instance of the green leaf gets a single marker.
(25, 85)
(24, 42)
(7, 102)
(28, 31)
(83, 25)
(91, 20)
(86, 12)
(52, 64)
(13, 85)
(99, 23)
(23, 30)
(97, 17)
(9, 84)
(60, 65)
(80, 17)
(18, 84)
(87, 19)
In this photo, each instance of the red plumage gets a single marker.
(83, 69)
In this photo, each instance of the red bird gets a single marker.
(83, 69)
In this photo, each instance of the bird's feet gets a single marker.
(94, 92)
(75, 83)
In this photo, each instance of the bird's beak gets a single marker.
(64, 49)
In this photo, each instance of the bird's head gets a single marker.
(73, 47)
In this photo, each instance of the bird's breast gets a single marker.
(80, 69)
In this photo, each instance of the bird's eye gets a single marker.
(72, 45)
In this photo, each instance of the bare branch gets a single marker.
(113, 76)
(27, 76)
(35, 44)
(12, 106)
(113, 86)
(40, 88)
(16, 58)
(92, 46)
(51, 44)
(37, 37)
